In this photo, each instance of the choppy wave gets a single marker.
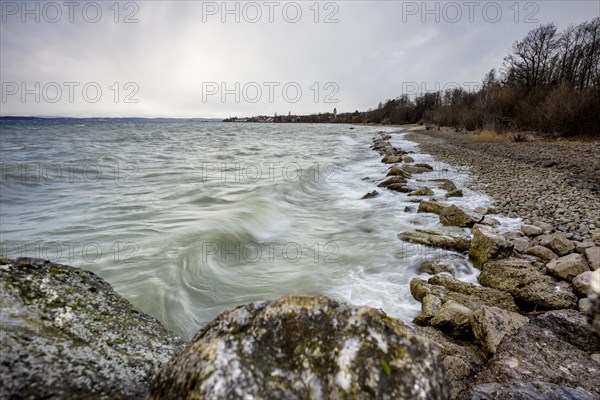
(194, 218)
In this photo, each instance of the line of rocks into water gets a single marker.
(532, 328)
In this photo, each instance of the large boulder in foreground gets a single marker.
(300, 348)
(67, 334)
(527, 283)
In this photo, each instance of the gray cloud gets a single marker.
(374, 51)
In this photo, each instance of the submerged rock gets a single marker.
(447, 184)
(392, 181)
(399, 187)
(427, 206)
(398, 171)
(415, 169)
(370, 195)
(455, 193)
(424, 191)
(391, 159)
(450, 264)
(67, 334)
(423, 165)
(303, 347)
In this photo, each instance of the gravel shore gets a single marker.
(557, 182)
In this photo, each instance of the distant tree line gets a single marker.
(549, 83)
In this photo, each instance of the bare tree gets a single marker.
(533, 59)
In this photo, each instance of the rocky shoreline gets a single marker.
(529, 329)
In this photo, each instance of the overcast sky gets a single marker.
(193, 59)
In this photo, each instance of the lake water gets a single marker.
(187, 218)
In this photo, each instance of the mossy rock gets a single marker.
(303, 347)
(67, 334)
